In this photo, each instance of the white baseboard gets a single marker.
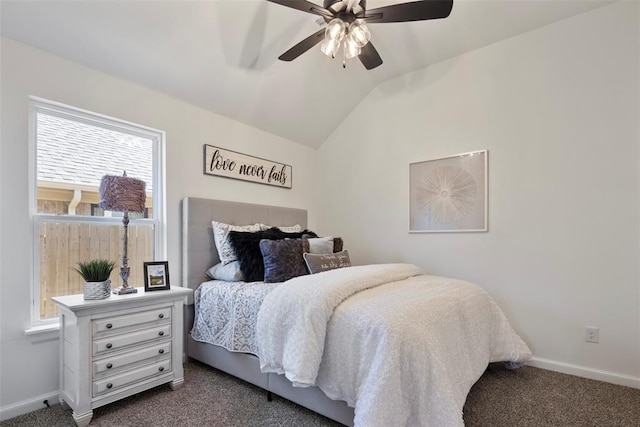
(584, 372)
(27, 406)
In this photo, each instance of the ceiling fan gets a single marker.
(347, 25)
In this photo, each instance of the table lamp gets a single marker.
(123, 194)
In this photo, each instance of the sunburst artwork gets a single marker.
(449, 194)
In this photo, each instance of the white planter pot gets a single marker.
(97, 290)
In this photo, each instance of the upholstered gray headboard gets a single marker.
(198, 248)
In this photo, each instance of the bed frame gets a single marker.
(198, 254)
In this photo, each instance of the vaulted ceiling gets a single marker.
(221, 55)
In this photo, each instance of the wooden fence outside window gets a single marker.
(64, 244)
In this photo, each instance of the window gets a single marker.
(97, 211)
(71, 150)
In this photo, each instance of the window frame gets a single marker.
(40, 105)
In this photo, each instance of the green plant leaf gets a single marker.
(95, 270)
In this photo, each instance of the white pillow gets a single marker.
(287, 229)
(321, 245)
(222, 241)
(227, 272)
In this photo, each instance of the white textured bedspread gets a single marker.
(400, 347)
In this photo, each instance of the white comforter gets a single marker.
(400, 347)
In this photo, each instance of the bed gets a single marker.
(384, 372)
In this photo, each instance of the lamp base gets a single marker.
(123, 290)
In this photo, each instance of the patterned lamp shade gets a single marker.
(122, 194)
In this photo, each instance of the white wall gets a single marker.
(29, 366)
(558, 110)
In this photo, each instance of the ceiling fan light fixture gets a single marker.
(330, 47)
(346, 24)
(336, 29)
(351, 49)
(359, 33)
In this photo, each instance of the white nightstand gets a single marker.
(119, 346)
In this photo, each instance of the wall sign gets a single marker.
(230, 164)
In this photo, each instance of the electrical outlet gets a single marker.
(592, 334)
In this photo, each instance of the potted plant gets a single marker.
(95, 273)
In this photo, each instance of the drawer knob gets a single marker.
(161, 368)
(109, 345)
(161, 315)
(109, 366)
(161, 333)
(109, 326)
(109, 385)
(161, 351)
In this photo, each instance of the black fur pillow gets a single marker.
(247, 248)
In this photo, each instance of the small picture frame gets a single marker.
(156, 276)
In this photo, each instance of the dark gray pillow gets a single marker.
(317, 263)
(283, 259)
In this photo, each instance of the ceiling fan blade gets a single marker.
(412, 11)
(305, 6)
(303, 46)
(370, 57)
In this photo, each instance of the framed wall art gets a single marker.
(156, 276)
(449, 194)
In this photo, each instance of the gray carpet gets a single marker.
(524, 397)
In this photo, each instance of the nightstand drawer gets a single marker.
(113, 323)
(117, 381)
(114, 363)
(117, 342)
